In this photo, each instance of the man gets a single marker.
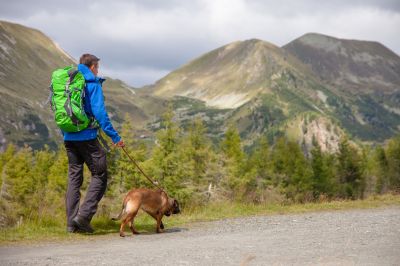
(83, 147)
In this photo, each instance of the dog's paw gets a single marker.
(162, 225)
(121, 234)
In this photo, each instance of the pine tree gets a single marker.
(166, 164)
(198, 150)
(291, 170)
(19, 180)
(349, 170)
(234, 159)
(7, 212)
(126, 175)
(382, 182)
(198, 163)
(5, 157)
(320, 176)
(231, 145)
(260, 160)
(279, 161)
(43, 160)
(300, 187)
(393, 157)
(258, 172)
(367, 166)
(54, 199)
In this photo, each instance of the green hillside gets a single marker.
(266, 88)
(28, 58)
(364, 73)
(314, 88)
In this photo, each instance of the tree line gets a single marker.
(196, 171)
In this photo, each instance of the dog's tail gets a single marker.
(121, 213)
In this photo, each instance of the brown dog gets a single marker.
(155, 203)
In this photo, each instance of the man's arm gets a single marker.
(100, 113)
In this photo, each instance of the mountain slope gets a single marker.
(261, 86)
(230, 75)
(267, 87)
(351, 65)
(27, 59)
(364, 73)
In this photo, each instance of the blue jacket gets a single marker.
(94, 107)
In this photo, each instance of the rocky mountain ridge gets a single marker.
(305, 90)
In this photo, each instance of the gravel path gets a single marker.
(353, 237)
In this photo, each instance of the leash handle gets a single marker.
(140, 169)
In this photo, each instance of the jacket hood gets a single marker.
(88, 74)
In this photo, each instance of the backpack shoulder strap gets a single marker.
(72, 73)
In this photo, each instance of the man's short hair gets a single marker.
(89, 60)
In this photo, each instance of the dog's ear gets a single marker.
(175, 207)
(176, 204)
(171, 202)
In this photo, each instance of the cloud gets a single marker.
(151, 38)
(137, 75)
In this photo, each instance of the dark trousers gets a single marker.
(93, 154)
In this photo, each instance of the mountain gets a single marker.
(364, 73)
(27, 59)
(357, 67)
(316, 88)
(231, 75)
(269, 90)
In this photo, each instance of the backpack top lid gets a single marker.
(68, 75)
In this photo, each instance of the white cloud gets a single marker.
(152, 37)
(135, 75)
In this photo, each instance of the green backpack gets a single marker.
(67, 96)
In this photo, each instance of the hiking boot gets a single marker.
(82, 224)
(72, 229)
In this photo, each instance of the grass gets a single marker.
(50, 230)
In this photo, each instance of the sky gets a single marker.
(140, 41)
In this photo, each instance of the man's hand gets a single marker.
(120, 144)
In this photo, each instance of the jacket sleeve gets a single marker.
(100, 113)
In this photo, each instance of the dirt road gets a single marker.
(354, 237)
